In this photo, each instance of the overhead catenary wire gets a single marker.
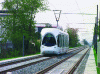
(79, 13)
(80, 23)
(79, 9)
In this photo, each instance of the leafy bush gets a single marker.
(37, 46)
(78, 44)
(73, 37)
(33, 48)
(9, 53)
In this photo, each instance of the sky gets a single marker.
(71, 6)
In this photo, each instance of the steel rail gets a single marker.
(56, 64)
(23, 66)
(74, 67)
(18, 61)
(20, 67)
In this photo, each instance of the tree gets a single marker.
(85, 42)
(73, 37)
(21, 21)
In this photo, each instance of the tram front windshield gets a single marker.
(49, 40)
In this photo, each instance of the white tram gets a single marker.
(54, 41)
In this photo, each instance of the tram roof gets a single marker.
(54, 31)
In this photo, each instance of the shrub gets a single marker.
(73, 37)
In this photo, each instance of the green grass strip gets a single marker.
(17, 57)
(95, 55)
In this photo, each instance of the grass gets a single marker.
(71, 47)
(95, 55)
(74, 47)
(24, 56)
(17, 57)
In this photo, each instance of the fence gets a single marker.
(6, 45)
(6, 50)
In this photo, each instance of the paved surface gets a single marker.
(90, 65)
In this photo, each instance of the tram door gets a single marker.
(62, 43)
(59, 42)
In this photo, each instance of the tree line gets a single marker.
(73, 37)
(20, 22)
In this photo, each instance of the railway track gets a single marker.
(18, 60)
(72, 69)
(22, 63)
(19, 64)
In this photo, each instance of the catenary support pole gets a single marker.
(97, 26)
(99, 29)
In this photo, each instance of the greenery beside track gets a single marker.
(78, 45)
(16, 57)
(95, 55)
(9, 53)
(19, 27)
(12, 57)
(73, 37)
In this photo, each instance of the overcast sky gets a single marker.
(70, 6)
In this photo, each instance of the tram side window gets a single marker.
(66, 41)
(63, 40)
(59, 40)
